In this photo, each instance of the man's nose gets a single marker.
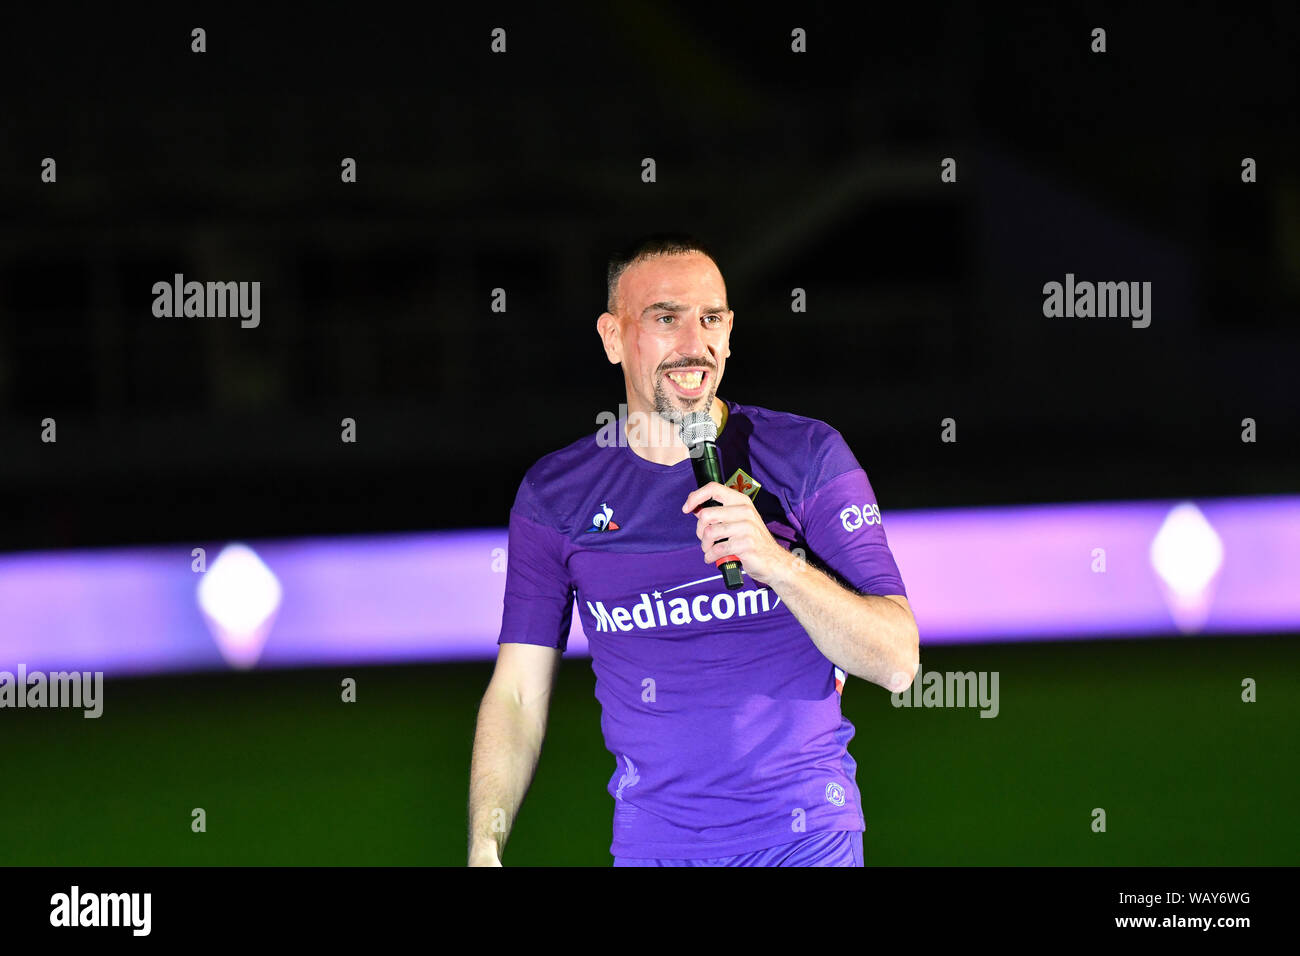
(690, 340)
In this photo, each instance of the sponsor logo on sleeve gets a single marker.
(854, 517)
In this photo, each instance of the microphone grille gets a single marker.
(698, 427)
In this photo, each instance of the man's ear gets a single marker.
(607, 328)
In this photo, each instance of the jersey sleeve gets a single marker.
(538, 606)
(842, 522)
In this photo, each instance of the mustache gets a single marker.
(689, 364)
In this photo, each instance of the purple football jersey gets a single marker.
(721, 714)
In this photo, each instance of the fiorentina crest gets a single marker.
(744, 483)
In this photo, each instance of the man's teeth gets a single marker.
(687, 380)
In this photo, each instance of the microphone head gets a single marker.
(698, 427)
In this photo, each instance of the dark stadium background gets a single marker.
(522, 171)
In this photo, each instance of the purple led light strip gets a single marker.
(1016, 573)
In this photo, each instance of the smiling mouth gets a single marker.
(688, 381)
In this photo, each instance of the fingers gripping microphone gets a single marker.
(699, 434)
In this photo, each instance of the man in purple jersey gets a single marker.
(720, 708)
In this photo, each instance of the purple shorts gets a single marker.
(833, 848)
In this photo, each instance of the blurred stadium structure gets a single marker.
(924, 298)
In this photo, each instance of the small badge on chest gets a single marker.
(743, 483)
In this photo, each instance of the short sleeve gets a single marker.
(843, 525)
(538, 606)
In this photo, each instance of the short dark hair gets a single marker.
(648, 247)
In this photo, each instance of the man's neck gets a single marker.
(659, 440)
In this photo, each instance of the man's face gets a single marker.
(671, 334)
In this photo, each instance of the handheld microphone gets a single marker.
(699, 434)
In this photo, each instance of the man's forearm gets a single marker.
(869, 636)
(507, 744)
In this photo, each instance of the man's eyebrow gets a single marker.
(678, 307)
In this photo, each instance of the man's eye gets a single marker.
(712, 315)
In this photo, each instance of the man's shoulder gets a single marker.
(585, 451)
(563, 461)
(796, 439)
(771, 420)
(553, 485)
(804, 452)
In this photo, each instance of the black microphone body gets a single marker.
(708, 467)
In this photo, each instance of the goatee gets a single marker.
(666, 409)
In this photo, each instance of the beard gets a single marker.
(673, 408)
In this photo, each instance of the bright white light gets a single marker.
(1187, 554)
(239, 596)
